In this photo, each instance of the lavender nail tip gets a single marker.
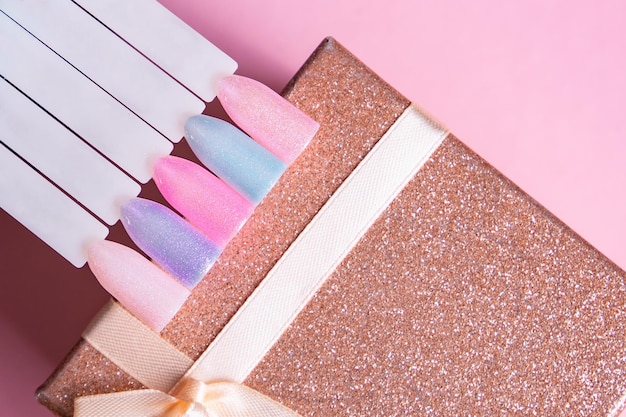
(233, 156)
(171, 242)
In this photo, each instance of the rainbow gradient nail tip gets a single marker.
(267, 117)
(141, 287)
(233, 156)
(203, 199)
(171, 242)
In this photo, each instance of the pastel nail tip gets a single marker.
(146, 291)
(170, 241)
(233, 156)
(266, 116)
(203, 199)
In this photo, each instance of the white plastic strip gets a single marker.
(79, 103)
(46, 211)
(108, 61)
(168, 41)
(319, 249)
(62, 157)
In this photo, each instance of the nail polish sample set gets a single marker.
(82, 124)
(84, 117)
(215, 204)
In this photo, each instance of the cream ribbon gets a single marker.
(280, 297)
(136, 349)
(154, 362)
(190, 399)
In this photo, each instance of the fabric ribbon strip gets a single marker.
(135, 349)
(191, 399)
(287, 288)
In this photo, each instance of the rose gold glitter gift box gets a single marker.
(463, 297)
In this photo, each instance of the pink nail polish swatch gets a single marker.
(149, 293)
(203, 199)
(268, 118)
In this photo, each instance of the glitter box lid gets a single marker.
(465, 297)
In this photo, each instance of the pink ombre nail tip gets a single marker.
(146, 291)
(268, 118)
(206, 201)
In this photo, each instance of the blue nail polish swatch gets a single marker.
(233, 156)
(171, 242)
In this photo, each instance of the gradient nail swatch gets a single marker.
(203, 199)
(267, 117)
(233, 156)
(171, 242)
(148, 292)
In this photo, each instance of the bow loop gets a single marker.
(181, 408)
(193, 399)
(191, 390)
(195, 409)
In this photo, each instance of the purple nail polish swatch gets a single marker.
(171, 242)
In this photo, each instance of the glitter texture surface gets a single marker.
(83, 372)
(465, 298)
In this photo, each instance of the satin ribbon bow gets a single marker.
(190, 398)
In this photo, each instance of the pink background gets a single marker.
(538, 89)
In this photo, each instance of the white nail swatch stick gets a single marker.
(108, 61)
(87, 104)
(33, 201)
(168, 41)
(56, 152)
(79, 103)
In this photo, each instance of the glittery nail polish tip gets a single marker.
(171, 242)
(148, 292)
(266, 116)
(233, 156)
(203, 199)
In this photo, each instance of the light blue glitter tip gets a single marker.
(233, 156)
(178, 247)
